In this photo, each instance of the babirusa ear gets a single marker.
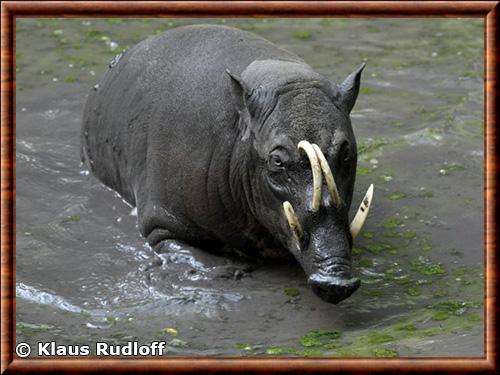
(349, 89)
(241, 91)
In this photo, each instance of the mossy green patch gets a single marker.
(319, 337)
(242, 346)
(362, 171)
(369, 148)
(69, 79)
(384, 352)
(455, 307)
(375, 248)
(409, 234)
(474, 317)
(425, 247)
(368, 234)
(425, 267)
(434, 331)
(373, 28)
(367, 91)
(440, 293)
(311, 353)
(392, 222)
(440, 315)
(170, 331)
(414, 291)
(379, 338)
(281, 351)
(390, 234)
(75, 218)
(302, 35)
(28, 328)
(292, 292)
(397, 196)
(405, 327)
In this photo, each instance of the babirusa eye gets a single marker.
(276, 160)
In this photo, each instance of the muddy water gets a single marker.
(84, 273)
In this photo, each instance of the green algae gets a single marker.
(392, 223)
(368, 234)
(405, 327)
(425, 267)
(397, 196)
(302, 35)
(370, 148)
(384, 352)
(170, 331)
(291, 292)
(440, 315)
(379, 338)
(409, 234)
(29, 328)
(474, 317)
(242, 346)
(362, 171)
(455, 307)
(281, 351)
(414, 291)
(70, 79)
(367, 91)
(319, 337)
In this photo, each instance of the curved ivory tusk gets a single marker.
(316, 170)
(293, 220)
(330, 180)
(364, 207)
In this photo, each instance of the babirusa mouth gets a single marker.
(362, 213)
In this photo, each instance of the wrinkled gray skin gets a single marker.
(198, 127)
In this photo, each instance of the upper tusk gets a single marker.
(293, 220)
(364, 207)
(330, 180)
(316, 170)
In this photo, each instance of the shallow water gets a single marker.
(84, 273)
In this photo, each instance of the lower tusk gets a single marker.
(330, 181)
(293, 221)
(316, 170)
(364, 207)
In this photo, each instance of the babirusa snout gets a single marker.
(362, 213)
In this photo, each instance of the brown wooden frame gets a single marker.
(10, 10)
